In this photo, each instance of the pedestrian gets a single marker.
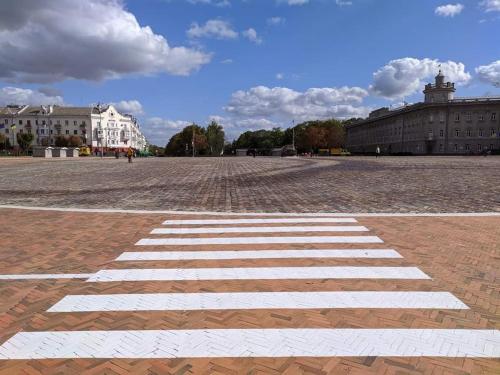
(377, 152)
(130, 153)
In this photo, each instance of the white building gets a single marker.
(99, 127)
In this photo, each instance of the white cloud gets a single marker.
(489, 73)
(343, 2)
(217, 29)
(217, 3)
(48, 41)
(131, 107)
(284, 103)
(227, 61)
(274, 21)
(159, 130)
(16, 95)
(490, 5)
(280, 76)
(252, 36)
(449, 10)
(293, 2)
(405, 76)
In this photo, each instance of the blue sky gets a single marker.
(248, 64)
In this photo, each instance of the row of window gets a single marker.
(43, 122)
(468, 132)
(480, 117)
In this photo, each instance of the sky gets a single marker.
(248, 64)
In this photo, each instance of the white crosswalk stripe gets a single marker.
(257, 254)
(261, 300)
(343, 228)
(295, 220)
(284, 342)
(255, 273)
(255, 240)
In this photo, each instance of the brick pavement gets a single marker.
(357, 184)
(461, 254)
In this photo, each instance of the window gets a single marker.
(43, 122)
(75, 132)
(479, 148)
(456, 147)
(83, 123)
(58, 122)
(457, 116)
(493, 116)
(36, 122)
(431, 117)
(29, 122)
(467, 147)
(51, 131)
(58, 132)
(441, 116)
(441, 147)
(67, 131)
(20, 122)
(6, 130)
(5, 121)
(468, 116)
(480, 117)
(457, 132)
(20, 131)
(469, 132)
(441, 133)
(491, 147)
(74, 123)
(42, 131)
(66, 122)
(481, 133)
(492, 132)
(29, 131)
(50, 122)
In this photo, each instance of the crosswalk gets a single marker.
(287, 238)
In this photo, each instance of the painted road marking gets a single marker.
(344, 228)
(256, 240)
(261, 300)
(287, 342)
(255, 273)
(260, 221)
(258, 254)
(42, 276)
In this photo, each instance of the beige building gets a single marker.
(442, 124)
(99, 127)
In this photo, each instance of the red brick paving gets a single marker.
(461, 254)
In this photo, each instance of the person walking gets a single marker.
(377, 152)
(130, 153)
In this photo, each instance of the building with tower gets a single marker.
(441, 124)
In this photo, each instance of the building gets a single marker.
(441, 124)
(99, 127)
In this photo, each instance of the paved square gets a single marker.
(114, 293)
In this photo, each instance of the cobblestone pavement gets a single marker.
(357, 184)
(461, 255)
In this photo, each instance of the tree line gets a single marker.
(309, 136)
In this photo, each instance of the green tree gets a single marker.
(74, 141)
(215, 138)
(61, 141)
(24, 140)
(181, 144)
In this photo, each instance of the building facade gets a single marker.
(442, 124)
(99, 127)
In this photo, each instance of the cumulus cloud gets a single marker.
(217, 29)
(217, 3)
(274, 21)
(285, 103)
(131, 107)
(252, 36)
(159, 130)
(490, 5)
(48, 41)
(405, 76)
(19, 96)
(280, 76)
(489, 73)
(293, 2)
(449, 10)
